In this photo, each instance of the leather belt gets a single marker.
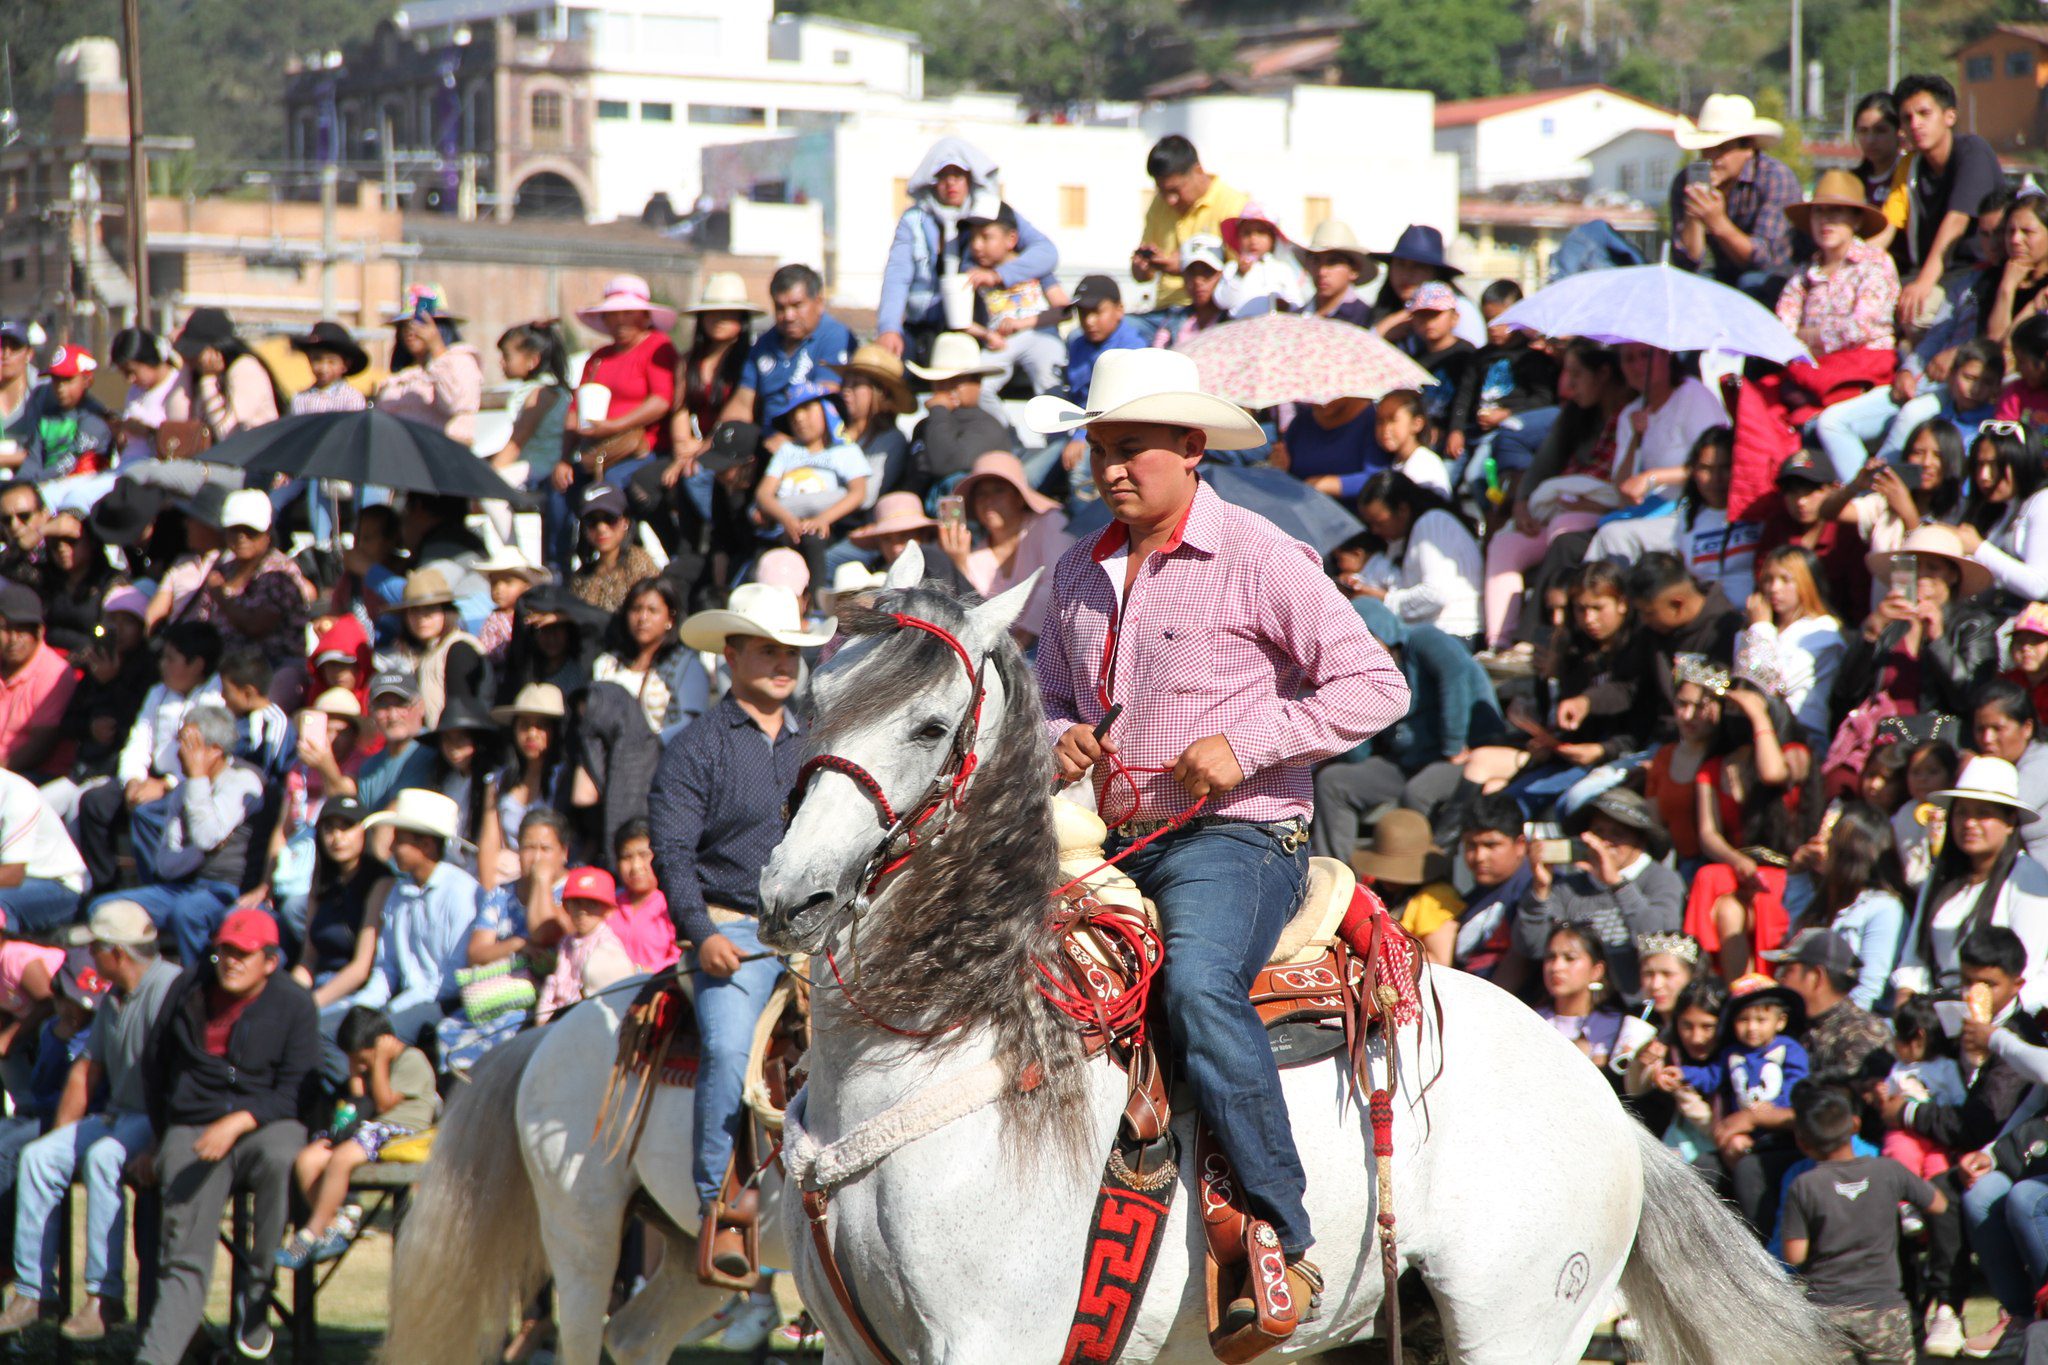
(1293, 830)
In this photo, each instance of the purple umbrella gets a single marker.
(1657, 305)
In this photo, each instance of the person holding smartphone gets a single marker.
(1621, 889)
(1728, 207)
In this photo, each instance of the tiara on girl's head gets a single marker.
(1701, 672)
(1681, 946)
(1756, 663)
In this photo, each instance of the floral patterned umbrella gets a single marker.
(1287, 358)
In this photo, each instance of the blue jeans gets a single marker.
(38, 906)
(2008, 1227)
(1516, 441)
(727, 1009)
(1850, 432)
(1225, 891)
(187, 911)
(96, 1147)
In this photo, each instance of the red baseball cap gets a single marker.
(70, 361)
(247, 930)
(590, 884)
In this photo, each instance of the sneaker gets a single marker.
(297, 1253)
(1910, 1222)
(801, 1335)
(93, 1319)
(1516, 661)
(1944, 1332)
(334, 1243)
(254, 1337)
(1986, 1341)
(750, 1326)
(716, 1323)
(21, 1312)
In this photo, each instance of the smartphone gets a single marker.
(952, 511)
(1558, 852)
(1906, 577)
(1699, 173)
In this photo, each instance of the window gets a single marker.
(612, 111)
(1625, 177)
(841, 57)
(1315, 211)
(547, 114)
(2019, 64)
(1073, 206)
(653, 112)
(729, 114)
(1550, 127)
(899, 197)
(1977, 69)
(808, 120)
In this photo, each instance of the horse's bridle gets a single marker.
(904, 834)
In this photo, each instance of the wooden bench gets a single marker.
(382, 1184)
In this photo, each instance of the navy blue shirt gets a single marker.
(1083, 353)
(716, 812)
(771, 367)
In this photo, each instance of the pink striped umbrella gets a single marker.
(1288, 358)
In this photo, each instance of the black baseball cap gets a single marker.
(394, 682)
(1807, 466)
(1822, 948)
(347, 809)
(732, 445)
(601, 499)
(1004, 215)
(1095, 290)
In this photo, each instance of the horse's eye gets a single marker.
(932, 733)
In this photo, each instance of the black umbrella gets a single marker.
(365, 447)
(1315, 518)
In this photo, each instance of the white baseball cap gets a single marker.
(248, 507)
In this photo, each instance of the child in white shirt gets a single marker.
(1255, 272)
(1399, 427)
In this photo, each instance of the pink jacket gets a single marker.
(249, 401)
(445, 393)
(584, 964)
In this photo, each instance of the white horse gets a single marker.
(1524, 1193)
(518, 1190)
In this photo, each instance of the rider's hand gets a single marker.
(1079, 750)
(1208, 767)
(717, 956)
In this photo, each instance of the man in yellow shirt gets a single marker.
(1190, 203)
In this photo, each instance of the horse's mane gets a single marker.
(957, 937)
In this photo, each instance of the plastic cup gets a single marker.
(957, 294)
(593, 402)
(1635, 1031)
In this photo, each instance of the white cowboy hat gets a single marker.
(339, 701)
(722, 291)
(534, 699)
(1149, 386)
(754, 609)
(1992, 780)
(422, 812)
(1931, 539)
(627, 294)
(854, 577)
(1724, 118)
(955, 355)
(510, 559)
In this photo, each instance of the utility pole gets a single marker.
(330, 183)
(1891, 47)
(138, 164)
(1798, 71)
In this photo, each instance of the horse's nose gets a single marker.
(785, 903)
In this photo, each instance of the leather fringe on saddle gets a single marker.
(646, 1033)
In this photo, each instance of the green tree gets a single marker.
(1451, 48)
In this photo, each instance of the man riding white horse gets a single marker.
(1237, 665)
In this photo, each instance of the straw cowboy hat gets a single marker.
(339, 701)
(627, 294)
(895, 514)
(1838, 190)
(332, 336)
(1334, 237)
(1149, 386)
(882, 367)
(534, 699)
(1252, 212)
(1725, 118)
(1401, 851)
(955, 355)
(510, 559)
(1000, 466)
(1940, 542)
(422, 812)
(754, 609)
(1991, 780)
(426, 588)
(722, 291)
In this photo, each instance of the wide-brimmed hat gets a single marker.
(534, 699)
(627, 294)
(426, 588)
(422, 812)
(1838, 190)
(754, 609)
(1627, 808)
(955, 355)
(1401, 851)
(463, 713)
(510, 559)
(1149, 386)
(895, 514)
(332, 336)
(1000, 466)
(205, 327)
(1421, 244)
(788, 399)
(1941, 542)
(884, 368)
(339, 701)
(1991, 780)
(1333, 236)
(430, 298)
(722, 291)
(1757, 989)
(1252, 212)
(1724, 118)
(124, 515)
(855, 577)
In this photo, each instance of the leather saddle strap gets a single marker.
(817, 1208)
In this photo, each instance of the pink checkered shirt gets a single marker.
(1234, 630)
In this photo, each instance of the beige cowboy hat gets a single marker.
(627, 294)
(753, 609)
(1941, 542)
(855, 577)
(1991, 780)
(426, 588)
(895, 514)
(1000, 466)
(1724, 118)
(1401, 851)
(722, 291)
(1838, 190)
(1149, 386)
(534, 699)
(882, 367)
(339, 701)
(510, 559)
(955, 355)
(1333, 236)
(422, 812)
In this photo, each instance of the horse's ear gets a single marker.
(987, 623)
(908, 570)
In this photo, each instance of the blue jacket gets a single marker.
(910, 281)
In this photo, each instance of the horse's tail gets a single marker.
(469, 1253)
(1699, 1285)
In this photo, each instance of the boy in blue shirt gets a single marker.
(1099, 307)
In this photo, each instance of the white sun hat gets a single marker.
(1724, 118)
(1991, 780)
(1151, 385)
(955, 355)
(762, 609)
(422, 812)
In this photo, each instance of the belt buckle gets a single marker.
(1294, 834)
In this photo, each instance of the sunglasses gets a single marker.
(17, 518)
(602, 519)
(62, 540)
(13, 344)
(2003, 428)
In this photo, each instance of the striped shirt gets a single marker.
(335, 397)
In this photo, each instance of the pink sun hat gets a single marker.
(1252, 212)
(627, 294)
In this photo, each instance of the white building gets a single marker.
(1301, 153)
(1638, 165)
(1539, 137)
